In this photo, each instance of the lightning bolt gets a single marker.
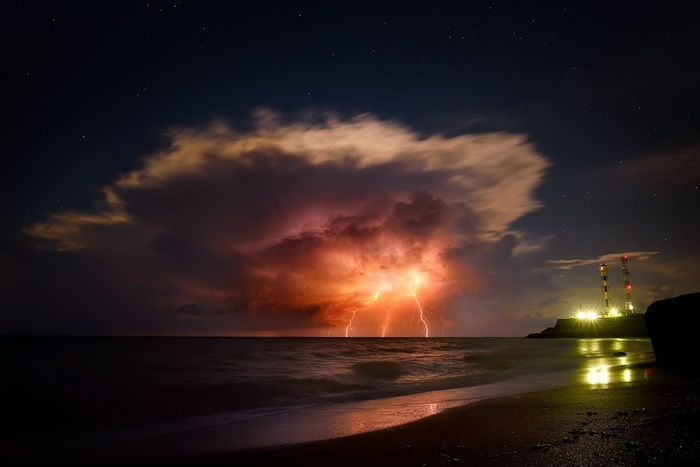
(349, 326)
(420, 307)
(389, 312)
(410, 291)
(355, 310)
(330, 319)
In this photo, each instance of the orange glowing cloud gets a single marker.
(359, 227)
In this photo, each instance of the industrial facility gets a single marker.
(608, 309)
(610, 322)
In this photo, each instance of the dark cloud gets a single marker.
(297, 226)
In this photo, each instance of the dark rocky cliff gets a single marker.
(673, 329)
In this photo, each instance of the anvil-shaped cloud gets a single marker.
(359, 227)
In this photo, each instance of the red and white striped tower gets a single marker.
(628, 287)
(607, 301)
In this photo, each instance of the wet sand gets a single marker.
(655, 421)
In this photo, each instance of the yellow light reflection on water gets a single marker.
(607, 361)
(598, 375)
(602, 374)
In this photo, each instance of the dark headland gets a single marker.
(626, 326)
(669, 323)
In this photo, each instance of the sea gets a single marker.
(77, 399)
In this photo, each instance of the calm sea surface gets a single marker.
(134, 388)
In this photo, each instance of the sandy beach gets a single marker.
(649, 422)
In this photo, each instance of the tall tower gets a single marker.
(628, 287)
(607, 302)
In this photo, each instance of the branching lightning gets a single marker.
(389, 312)
(349, 326)
(368, 302)
(410, 290)
(418, 304)
(330, 319)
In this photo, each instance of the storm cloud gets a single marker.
(359, 227)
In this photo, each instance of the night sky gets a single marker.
(344, 168)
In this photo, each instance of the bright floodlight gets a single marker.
(589, 315)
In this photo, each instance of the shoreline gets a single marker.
(291, 428)
(649, 422)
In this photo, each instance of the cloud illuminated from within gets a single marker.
(305, 225)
